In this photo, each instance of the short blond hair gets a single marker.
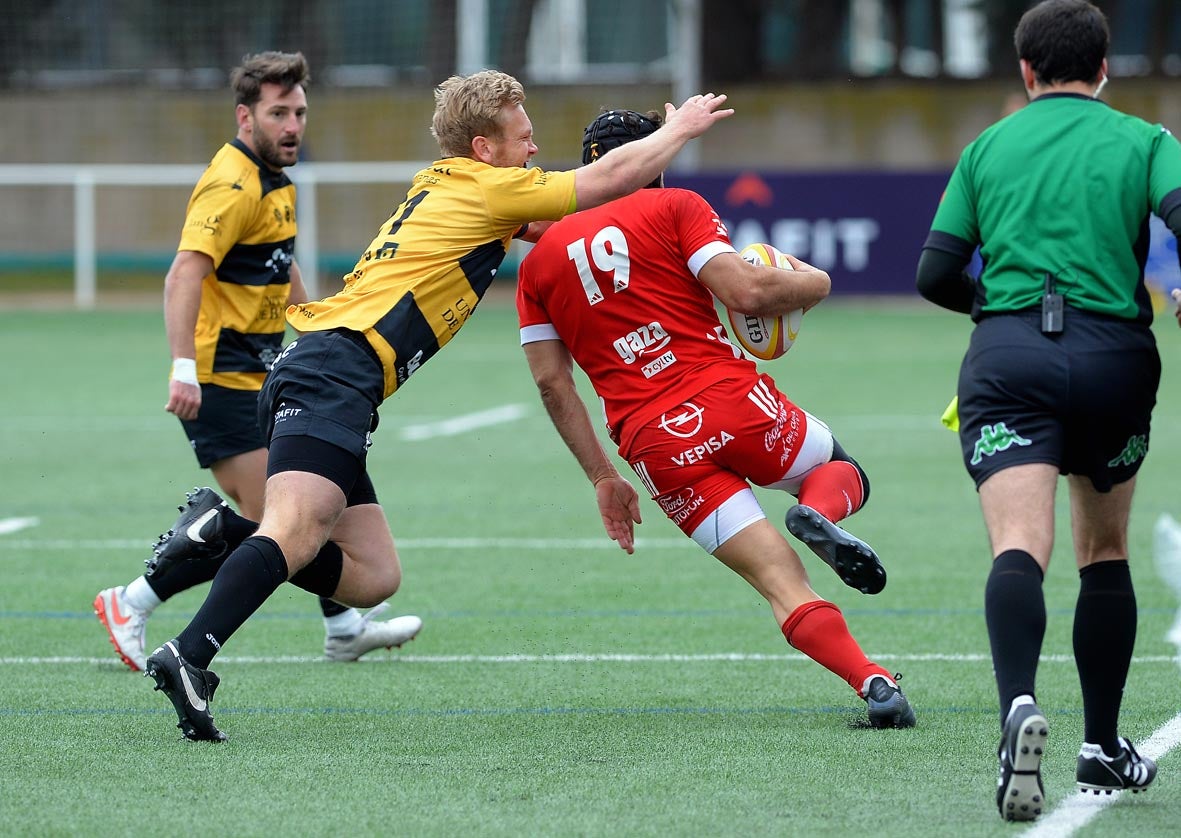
(467, 107)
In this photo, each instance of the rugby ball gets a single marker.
(766, 338)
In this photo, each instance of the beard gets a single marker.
(273, 154)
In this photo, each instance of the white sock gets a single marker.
(1020, 700)
(865, 684)
(345, 624)
(140, 596)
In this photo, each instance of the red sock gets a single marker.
(818, 630)
(834, 490)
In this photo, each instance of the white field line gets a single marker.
(451, 426)
(719, 657)
(10, 525)
(462, 424)
(1077, 811)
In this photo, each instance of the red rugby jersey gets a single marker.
(617, 285)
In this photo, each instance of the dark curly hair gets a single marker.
(286, 69)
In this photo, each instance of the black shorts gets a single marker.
(1080, 400)
(326, 386)
(226, 425)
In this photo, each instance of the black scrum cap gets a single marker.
(611, 130)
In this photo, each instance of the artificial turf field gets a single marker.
(559, 686)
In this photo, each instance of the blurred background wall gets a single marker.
(844, 87)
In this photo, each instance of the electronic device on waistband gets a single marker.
(1052, 308)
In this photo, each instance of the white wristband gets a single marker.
(184, 370)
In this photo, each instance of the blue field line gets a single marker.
(554, 658)
(462, 712)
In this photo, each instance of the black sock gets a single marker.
(1015, 611)
(185, 575)
(321, 575)
(1104, 636)
(236, 529)
(251, 574)
(331, 607)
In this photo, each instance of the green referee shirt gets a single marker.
(1065, 186)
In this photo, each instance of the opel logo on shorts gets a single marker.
(684, 422)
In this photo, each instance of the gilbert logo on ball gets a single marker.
(764, 337)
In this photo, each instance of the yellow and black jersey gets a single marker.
(433, 260)
(242, 215)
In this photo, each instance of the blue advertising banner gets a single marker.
(865, 228)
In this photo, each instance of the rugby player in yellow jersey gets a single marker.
(225, 296)
(411, 291)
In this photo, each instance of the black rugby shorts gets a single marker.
(226, 425)
(1081, 400)
(324, 388)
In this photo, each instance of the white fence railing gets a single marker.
(85, 178)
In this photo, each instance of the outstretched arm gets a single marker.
(636, 164)
(619, 504)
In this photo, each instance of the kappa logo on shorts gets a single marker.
(994, 438)
(1136, 449)
(684, 422)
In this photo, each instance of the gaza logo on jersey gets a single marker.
(1135, 450)
(994, 438)
(641, 341)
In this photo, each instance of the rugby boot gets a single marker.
(1020, 795)
(853, 560)
(888, 707)
(374, 634)
(1097, 772)
(197, 533)
(126, 625)
(189, 689)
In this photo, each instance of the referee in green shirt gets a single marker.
(1060, 376)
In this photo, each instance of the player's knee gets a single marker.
(229, 490)
(376, 578)
(839, 454)
(388, 581)
(864, 482)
